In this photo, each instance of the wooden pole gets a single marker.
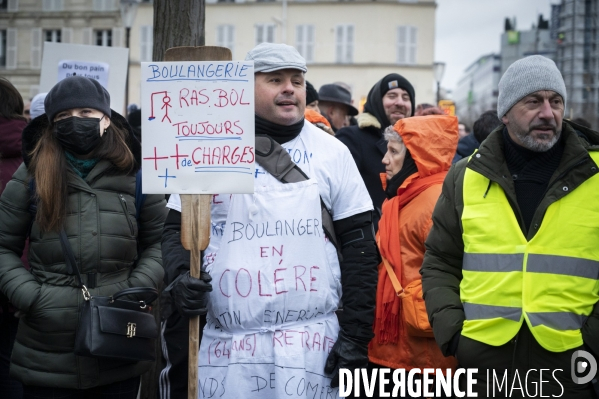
(195, 213)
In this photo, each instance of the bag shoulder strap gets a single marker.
(393, 277)
(277, 161)
(391, 273)
(70, 257)
(139, 197)
(32, 204)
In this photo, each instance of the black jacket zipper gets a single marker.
(126, 211)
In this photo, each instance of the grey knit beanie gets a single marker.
(526, 76)
(77, 92)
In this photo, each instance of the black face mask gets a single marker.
(78, 135)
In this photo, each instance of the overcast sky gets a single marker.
(468, 29)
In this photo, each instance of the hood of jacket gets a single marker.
(431, 140)
(10, 137)
(368, 121)
(33, 132)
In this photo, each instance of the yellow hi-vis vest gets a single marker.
(551, 281)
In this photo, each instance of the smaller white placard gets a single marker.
(114, 80)
(92, 70)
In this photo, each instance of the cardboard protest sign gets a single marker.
(108, 65)
(198, 127)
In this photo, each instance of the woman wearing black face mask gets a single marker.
(83, 158)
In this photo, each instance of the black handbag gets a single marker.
(112, 327)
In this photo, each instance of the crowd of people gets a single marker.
(448, 248)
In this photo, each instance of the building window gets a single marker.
(304, 41)
(225, 36)
(406, 44)
(53, 36)
(345, 44)
(104, 5)
(265, 33)
(9, 5)
(3, 48)
(104, 38)
(53, 5)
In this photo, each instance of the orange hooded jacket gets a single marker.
(432, 142)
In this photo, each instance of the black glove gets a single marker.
(347, 353)
(190, 294)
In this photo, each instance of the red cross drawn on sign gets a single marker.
(156, 158)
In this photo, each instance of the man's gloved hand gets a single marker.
(347, 353)
(190, 294)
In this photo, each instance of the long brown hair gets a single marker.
(50, 169)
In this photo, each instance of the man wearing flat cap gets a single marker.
(277, 280)
(335, 105)
(389, 100)
(511, 270)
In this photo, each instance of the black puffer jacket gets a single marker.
(103, 233)
(367, 146)
(466, 147)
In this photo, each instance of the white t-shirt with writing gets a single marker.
(320, 156)
(277, 347)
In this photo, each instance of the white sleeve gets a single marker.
(348, 191)
(174, 202)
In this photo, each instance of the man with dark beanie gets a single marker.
(389, 100)
(511, 270)
(278, 275)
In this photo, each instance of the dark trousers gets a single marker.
(523, 355)
(175, 352)
(9, 388)
(118, 390)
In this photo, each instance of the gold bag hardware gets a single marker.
(131, 330)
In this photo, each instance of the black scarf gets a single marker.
(279, 133)
(408, 169)
(531, 172)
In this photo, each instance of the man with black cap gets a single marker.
(271, 326)
(311, 97)
(389, 100)
(335, 105)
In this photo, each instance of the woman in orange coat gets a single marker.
(419, 154)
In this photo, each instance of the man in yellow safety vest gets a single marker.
(511, 271)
